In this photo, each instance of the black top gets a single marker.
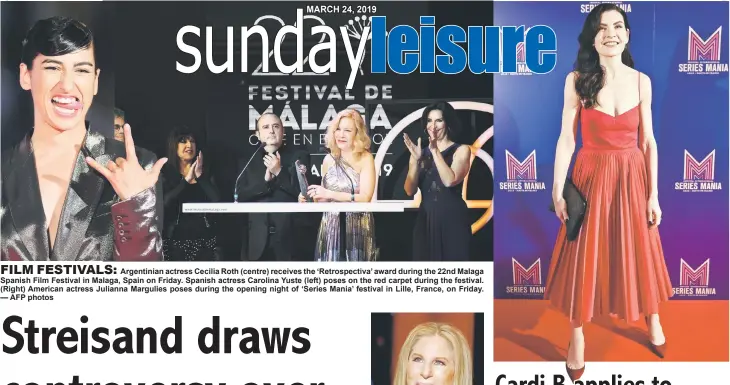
(274, 230)
(185, 226)
(443, 226)
(282, 188)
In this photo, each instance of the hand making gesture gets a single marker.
(273, 163)
(127, 176)
(196, 169)
(433, 143)
(414, 149)
(198, 165)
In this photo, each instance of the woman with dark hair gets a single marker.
(443, 228)
(616, 265)
(68, 192)
(188, 236)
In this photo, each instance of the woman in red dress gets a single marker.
(616, 264)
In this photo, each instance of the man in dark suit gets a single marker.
(70, 194)
(270, 175)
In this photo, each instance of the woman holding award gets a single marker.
(614, 264)
(348, 175)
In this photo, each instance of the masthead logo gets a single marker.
(526, 280)
(521, 60)
(698, 176)
(401, 49)
(694, 282)
(521, 175)
(704, 55)
(522, 68)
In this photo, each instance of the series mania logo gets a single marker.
(521, 175)
(521, 57)
(522, 68)
(587, 8)
(526, 280)
(401, 49)
(704, 55)
(698, 176)
(694, 282)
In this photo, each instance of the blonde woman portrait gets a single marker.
(348, 175)
(435, 354)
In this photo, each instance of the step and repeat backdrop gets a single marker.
(682, 48)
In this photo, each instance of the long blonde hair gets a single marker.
(362, 140)
(463, 373)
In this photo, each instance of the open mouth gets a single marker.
(66, 105)
(611, 43)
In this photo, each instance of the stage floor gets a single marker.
(530, 330)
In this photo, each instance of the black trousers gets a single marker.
(269, 254)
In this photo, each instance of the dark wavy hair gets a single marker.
(55, 36)
(590, 74)
(453, 125)
(178, 134)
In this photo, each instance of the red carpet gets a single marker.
(530, 330)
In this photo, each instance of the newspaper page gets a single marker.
(303, 193)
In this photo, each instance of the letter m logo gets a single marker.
(694, 277)
(704, 50)
(704, 170)
(525, 170)
(529, 276)
(521, 52)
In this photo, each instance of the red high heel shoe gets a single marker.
(659, 350)
(574, 374)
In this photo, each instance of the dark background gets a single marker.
(17, 104)
(139, 40)
(479, 185)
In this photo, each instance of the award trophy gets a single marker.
(303, 184)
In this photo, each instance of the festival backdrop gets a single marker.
(476, 119)
(682, 47)
(224, 107)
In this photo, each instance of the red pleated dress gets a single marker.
(616, 265)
